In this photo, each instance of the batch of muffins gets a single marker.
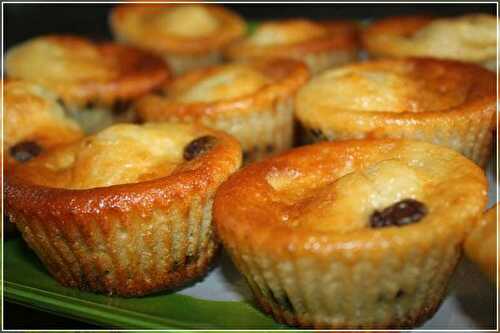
(123, 160)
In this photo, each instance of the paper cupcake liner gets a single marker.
(183, 63)
(126, 253)
(262, 131)
(471, 135)
(399, 287)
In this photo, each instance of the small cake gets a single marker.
(33, 121)
(481, 246)
(187, 36)
(252, 101)
(353, 234)
(471, 38)
(320, 44)
(126, 211)
(439, 101)
(95, 81)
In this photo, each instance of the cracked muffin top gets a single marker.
(468, 38)
(352, 194)
(82, 71)
(176, 28)
(34, 120)
(224, 88)
(398, 86)
(127, 153)
(282, 37)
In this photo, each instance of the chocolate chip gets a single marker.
(401, 213)
(199, 147)
(25, 151)
(400, 293)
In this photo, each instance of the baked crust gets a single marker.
(439, 101)
(467, 38)
(31, 113)
(127, 239)
(128, 24)
(481, 245)
(317, 38)
(312, 276)
(81, 71)
(275, 83)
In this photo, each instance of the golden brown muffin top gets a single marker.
(481, 246)
(82, 71)
(226, 82)
(121, 154)
(33, 120)
(468, 38)
(295, 36)
(224, 89)
(396, 88)
(333, 196)
(176, 28)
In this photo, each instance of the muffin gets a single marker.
(353, 234)
(471, 38)
(187, 36)
(481, 246)
(320, 44)
(443, 102)
(252, 101)
(126, 211)
(95, 81)
(33, 121)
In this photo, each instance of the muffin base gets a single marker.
(290, 292)
(470, 135)
(183, 63)
(125, 254)
(262, 132)
(291, 319)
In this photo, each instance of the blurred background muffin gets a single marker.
(33, 121)
(95, 81)
(187, 36)
(439, 101)
(471, 38)
(252, 101)
(320, 44)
